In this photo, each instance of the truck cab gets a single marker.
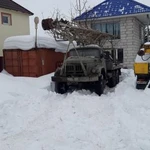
(86, 66)
(142, 66)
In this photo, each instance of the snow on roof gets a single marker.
(111, 8)
(27, 42)
(147, 43)
(142, 49)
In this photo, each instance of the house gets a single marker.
(14, 20)
(126, 20)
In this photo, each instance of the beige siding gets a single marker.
(20, 26)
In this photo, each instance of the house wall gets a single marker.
(130, 41)
(20, 26)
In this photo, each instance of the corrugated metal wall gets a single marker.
(31, 63)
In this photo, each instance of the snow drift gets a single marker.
(32, 117)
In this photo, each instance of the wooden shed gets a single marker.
(23, 56)
(31, 63)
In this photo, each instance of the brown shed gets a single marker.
(31, 63)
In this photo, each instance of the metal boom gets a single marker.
(64, 30)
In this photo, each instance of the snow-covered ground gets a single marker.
(34, 118)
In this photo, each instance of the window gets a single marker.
(120, 55)
(111, 28)
(141, 34)
(6, 19)
(116, 54)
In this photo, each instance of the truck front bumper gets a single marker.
(75, 79)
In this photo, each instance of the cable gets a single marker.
(145, 59)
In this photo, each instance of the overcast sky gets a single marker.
(46, 8)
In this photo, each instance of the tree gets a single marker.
(78, 8)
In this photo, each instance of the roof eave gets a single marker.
(112, 17)
(29, 12)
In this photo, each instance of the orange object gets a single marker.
(141, 68)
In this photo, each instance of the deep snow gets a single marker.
(34, 118)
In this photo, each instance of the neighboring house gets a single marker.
(126, 19)
(14, 20)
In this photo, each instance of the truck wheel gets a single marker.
(100, 85)
(112, 81)
(61, 87)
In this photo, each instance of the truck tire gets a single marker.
(61, 87)
(100, 85)
(113, 80)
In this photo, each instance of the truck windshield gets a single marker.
(86, 52)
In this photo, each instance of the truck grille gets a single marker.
(75, 70)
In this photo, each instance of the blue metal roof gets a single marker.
(112, 8)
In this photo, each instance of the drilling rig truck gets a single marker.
(87, 65)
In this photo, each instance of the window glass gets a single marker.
(111, 28)
(142, 35)
(117, 30)
(120, 55)
(6, 19)
(103, 29)
(117, 54)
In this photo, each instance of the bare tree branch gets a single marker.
(78, 7)
(84, 5)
